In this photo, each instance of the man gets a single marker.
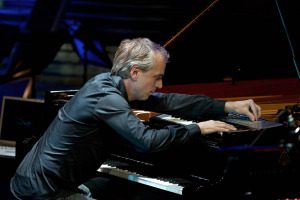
(100, 116)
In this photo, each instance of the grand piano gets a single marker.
(260, 159)
(247, 164)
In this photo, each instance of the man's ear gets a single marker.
(134, 72)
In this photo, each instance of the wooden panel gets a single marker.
(271, 104)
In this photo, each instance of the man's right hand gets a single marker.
(213, 126)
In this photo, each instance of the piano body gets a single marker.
(253, 162)
(246, 164)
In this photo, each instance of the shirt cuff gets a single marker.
(193, 129)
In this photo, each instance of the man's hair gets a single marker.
(138, 51)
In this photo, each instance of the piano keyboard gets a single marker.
(111, 168)
(241, 122)
(175, 120)
(171, 119)
(154, 175)
(7, 149)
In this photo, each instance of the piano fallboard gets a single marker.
(182, 184)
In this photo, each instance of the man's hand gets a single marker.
(213, 126)
(246, 107)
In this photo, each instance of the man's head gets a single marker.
(141, 63)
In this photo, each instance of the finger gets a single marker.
(254, 111)
(226, 127)
(257, 111)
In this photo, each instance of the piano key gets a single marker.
(172, 119)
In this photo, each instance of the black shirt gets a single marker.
(88, 126)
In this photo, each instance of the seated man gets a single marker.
(100, 117)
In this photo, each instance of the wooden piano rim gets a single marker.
(270, 105)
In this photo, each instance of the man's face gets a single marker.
(147, 82)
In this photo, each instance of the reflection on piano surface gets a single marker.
(172, 177)
(122, 170)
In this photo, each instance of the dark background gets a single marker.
(235, 39)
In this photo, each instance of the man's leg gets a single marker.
(81, 194)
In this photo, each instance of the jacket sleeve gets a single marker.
(184, 105)
(120, 117)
